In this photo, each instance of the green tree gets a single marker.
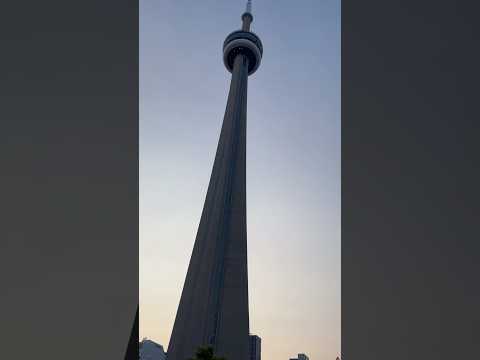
(205, 353)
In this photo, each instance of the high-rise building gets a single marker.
(150, 350)
(213, 309)
(255, 347)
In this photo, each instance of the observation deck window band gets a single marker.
(245, 46)
(241, 34)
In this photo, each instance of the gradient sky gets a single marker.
(293, 163)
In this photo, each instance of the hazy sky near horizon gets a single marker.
(293, 163)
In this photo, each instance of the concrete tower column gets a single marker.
(213, 308)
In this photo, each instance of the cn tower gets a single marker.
(213, 309)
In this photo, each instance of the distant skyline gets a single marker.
(293, 164)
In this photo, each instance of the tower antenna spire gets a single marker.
(247, 16)
(249, 6)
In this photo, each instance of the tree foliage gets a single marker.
(206, 353)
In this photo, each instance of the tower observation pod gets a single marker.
(213, 309)
(243, 42)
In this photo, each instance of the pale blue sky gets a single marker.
(293, 163)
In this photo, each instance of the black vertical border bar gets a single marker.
(410, 175)
(68, 179)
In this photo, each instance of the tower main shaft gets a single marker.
(213, 308)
